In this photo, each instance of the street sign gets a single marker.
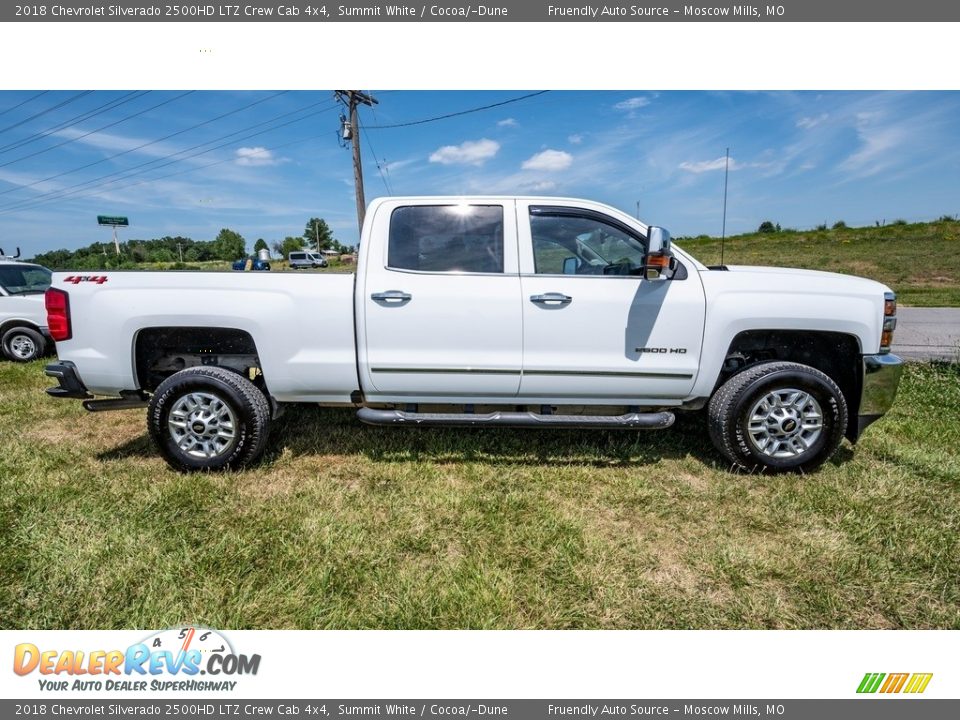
(113, 220)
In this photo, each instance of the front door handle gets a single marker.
(551, 299)
(391, 296)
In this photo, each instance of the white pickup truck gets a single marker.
(23, 320)
(487, 311)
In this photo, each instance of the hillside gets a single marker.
(920, 261)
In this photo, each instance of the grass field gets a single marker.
(920, 261)
(345, 526)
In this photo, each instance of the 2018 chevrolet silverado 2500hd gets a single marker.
(533, 312)
(23, 320)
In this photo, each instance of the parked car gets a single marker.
(252, 263)
(503, 311)
(306, 259)
(23, 319)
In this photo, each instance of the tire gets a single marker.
(23, 344)
(778, 417)
(208, 418)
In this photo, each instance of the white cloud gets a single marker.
(508, 122)
(810, 122)
(540, 186)
(634, 103)
(254, 156)
(575, 139)
(703, 166)
(471, 152)
(549, 160)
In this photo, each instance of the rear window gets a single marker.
(24, 279)
(447, 238)
(297, 256)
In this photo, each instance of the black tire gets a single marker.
(773, 443)
(242, 413)
(23, 344)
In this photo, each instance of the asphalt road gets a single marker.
(928, 333)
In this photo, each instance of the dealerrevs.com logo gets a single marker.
(179, 659)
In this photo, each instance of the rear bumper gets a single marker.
(70, 385)
(881, 378)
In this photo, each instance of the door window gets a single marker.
(570, 244)
(447, 239)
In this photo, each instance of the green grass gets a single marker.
(345, 526)
(920, 261)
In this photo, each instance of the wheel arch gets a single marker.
(12, 323)
(159, 352)
(836, 354)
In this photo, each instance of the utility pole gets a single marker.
(350, 130)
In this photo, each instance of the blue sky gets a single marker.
(270, 160)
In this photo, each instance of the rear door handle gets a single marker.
(391, 296)
(551, 299)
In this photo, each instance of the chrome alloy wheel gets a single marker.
(23, 347)
(202, 425)
(785, 423)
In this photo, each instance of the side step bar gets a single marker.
(129, 400)
(629, 421)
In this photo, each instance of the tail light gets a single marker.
(58, 314)
(889, 321)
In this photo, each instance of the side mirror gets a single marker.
(659, 256)
(570, 265)
(658, 240)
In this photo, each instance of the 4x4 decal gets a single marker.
(77, 279)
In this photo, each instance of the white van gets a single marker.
(306, 259)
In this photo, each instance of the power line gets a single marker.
(20, 104)
(59, 105)
(76, 119)
(376, 162)
(84, 192)
(99, 129)
(143, 164)
(456, 114)
(145, 181)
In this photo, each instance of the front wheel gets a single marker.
(208, 418)
(23, 344)
(778, 417)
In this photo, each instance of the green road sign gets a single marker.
(113, 220)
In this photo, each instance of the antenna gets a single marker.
(726, 177)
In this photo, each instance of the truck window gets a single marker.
(447, 238)
(598, 247)
(24, 279)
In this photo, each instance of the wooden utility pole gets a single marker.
(350, 130)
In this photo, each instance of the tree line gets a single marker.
(228, 246)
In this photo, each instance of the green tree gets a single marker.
(767, 227)
(288, 245)
(318, 234)
(259, 245)
(229, 245)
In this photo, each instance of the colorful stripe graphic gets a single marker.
(894, 682)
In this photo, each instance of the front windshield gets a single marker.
(24, 279)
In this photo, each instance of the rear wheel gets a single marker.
(778, 417)
(208, 418)
(23, 344)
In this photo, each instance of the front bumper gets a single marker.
(70, 384)
(881, 378)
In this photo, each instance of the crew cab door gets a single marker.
(442, 315)
(594, 329)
